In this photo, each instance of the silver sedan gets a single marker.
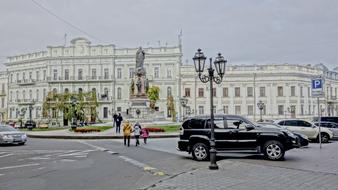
(9, 135)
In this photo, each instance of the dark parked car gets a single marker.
(303, 139)
(234, 134)
(30, 124)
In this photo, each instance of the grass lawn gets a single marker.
(44, 129)
(167, 128)
(101, 128)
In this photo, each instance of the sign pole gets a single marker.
(319, 119)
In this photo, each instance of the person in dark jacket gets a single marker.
(114, 119)
(119, 120)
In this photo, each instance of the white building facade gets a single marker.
(105, 69)
(283, 88)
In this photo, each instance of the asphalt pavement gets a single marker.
(85, 164)
(107, 164)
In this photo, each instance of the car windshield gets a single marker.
(6, 128)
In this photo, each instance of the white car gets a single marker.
(9, 135)
(306, 128)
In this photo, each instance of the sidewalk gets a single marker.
(107, 134)
(236, 175)
(309, 168)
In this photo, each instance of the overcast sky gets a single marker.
(244, 31)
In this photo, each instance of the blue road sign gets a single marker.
(317, 85)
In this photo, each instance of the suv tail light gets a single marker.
(181, 130)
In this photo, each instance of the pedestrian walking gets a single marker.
(119, 120)
(114, 119)
(137, 132)
(127, 129)
(144, 134)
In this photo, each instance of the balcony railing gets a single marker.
(26, 82)
(25, 101)
(76, 79)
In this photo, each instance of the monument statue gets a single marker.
(139, 86)
(140, 56)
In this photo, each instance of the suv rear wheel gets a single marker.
(324, 137)
(274, 150)
(200, 152)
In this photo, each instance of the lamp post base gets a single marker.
(213, 165)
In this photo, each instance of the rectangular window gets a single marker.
(238, 110)
(30, 75)
(225, 92)
(200, 92)
(168, 73)
(187, 92)
(131, 73)
(119, 109)
(17, 76)
(11, 78)
(250, 91)
(200, 110)
(237, 92)
(214, 109)
(309, 110)
(156, 72)
(262, 91)
(106, 73)
(302, 109)
(119, 73)
(55, 74)
(214, 92)
(44, 74)
(66, 74)
(2, 102)
(293, 91)
(80, 71)
(105, 112)
(37, 75)
(264, 110)
(308, 92)
(226, 109)
(23, 76)
(301, 91)
(280, 110)
(250, 109)
(94, 74)
(279, 91)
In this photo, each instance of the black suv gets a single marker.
(234, 134)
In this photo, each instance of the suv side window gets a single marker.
(304, 124)
(234, 123)
(218, 123)
(196, 124)
(291, 123)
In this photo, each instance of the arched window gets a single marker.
(80, 90)
(66, 90)
(55, 91)
(118, 93)
(168, 91)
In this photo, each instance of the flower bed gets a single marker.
(155, 130)
(84, 130)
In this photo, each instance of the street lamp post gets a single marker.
(74, 119)
(260, 105)
(219, 63)
(30, 123)
(184, 102)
